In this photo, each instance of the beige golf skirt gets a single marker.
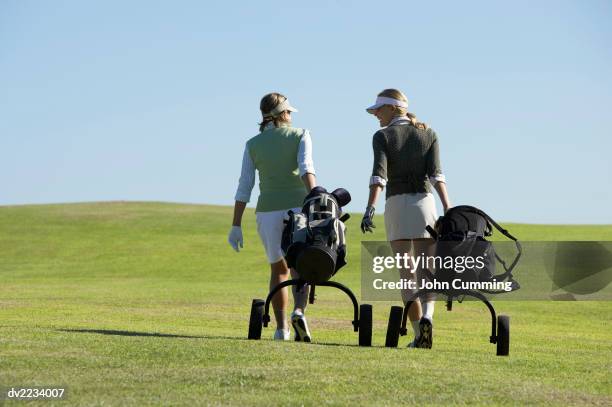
(407, 215)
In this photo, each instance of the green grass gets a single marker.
(77, 278)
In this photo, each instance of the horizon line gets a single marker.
(252, 208)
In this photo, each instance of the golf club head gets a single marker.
(342, 196)
(315, 191)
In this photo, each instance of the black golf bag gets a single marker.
(465, 252)
(314, 240)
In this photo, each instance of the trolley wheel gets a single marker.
(393, 328)
(503, 335)
(365, 325)
(256, 319)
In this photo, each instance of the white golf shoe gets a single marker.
(300, 326)
(282, 335)
(425, 338)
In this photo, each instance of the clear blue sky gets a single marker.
(148, 100)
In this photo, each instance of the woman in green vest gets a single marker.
(407, 164)
(283, 157)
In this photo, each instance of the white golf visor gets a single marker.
(381, 101)
(284, 105)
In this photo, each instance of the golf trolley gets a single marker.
(462, 231)
(362, 314)
(314, 244)
(500, 325)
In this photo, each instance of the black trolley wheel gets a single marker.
(503, 335)
(256, 319)
(365, 325)
(393, 327)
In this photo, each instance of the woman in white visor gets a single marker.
(283, 157)
(406, 163)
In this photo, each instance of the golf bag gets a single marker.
(314, 241)
(465, 252)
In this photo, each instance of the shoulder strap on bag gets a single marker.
(490, 220)
(508, 273)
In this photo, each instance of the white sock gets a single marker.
(428, 309)
(415, 328)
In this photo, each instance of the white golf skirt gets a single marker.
(270, 229)
(407, 215)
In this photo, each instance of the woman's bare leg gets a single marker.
(300, 297)
(279, 273)
(402, 247)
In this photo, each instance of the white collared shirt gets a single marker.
(399, 120)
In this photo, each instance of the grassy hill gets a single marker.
(146, 303)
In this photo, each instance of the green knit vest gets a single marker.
(274, 153)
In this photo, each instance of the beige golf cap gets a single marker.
(284, 105)
(381, 101)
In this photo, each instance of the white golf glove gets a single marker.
(235, 237)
